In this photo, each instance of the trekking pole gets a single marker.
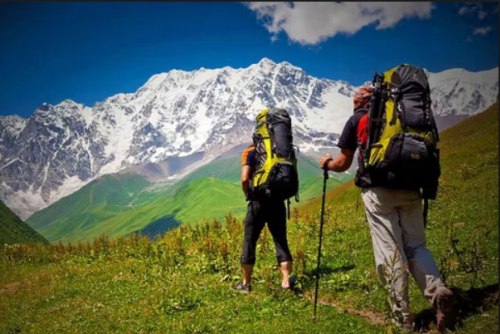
(325, 177)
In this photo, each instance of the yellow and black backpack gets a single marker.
(402, 146)
(276, 173)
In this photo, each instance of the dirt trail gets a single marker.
(374, 318)
(11, 288)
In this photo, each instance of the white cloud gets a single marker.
(313, 22)
(479, 11)
(473, 9)
(465, 10)
(482, 31)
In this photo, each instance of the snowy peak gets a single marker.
(12, 124)
(69, 104)
(466, 76)
(265, 64)
(266, 61)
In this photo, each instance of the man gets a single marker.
(396, 226)
(260, 211)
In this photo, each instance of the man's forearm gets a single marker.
(340, 164)
(246, 176)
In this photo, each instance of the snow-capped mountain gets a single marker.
(176, 114)
(189, 116)
(458, 92)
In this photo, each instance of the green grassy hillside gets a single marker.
(180, 282)
(13, 230)
(96, 202)
(118, 205)
(194, 202)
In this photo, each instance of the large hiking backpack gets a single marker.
(276, 174)
(401, 149)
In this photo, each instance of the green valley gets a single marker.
(121, 204)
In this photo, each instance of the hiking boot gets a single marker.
(406, 325)
(445, 310)
(242, 288)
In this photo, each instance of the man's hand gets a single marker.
(340, 164)
(323, 159)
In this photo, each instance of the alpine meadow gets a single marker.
(179, 282)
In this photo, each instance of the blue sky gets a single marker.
(89, 51)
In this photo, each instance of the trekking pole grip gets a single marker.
(325, 168)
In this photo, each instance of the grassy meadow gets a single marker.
(180, 282)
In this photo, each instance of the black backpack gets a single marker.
(401, 150)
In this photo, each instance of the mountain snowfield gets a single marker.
(458, 92)
(187, 118)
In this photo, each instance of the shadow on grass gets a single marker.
(324, 270)
(160, 226)
(469, 303)
(309, 277)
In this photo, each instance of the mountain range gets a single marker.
(179, 121)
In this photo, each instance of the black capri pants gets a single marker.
(258, 214)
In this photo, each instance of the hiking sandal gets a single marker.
(242, 288)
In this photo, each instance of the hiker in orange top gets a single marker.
(260, 211)
(396, 227)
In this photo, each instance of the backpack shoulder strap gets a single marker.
(362, 128)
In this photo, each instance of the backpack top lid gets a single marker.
(262, 114)
(408, 79)
(272, 115)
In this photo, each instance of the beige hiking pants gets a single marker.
(398, 237)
